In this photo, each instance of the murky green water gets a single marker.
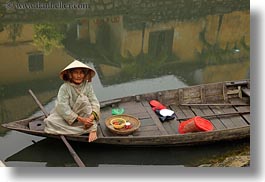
(135, 47)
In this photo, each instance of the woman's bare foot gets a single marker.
(92, 136)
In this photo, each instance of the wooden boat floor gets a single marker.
(152, 126)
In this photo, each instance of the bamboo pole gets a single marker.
(215, 104)
(222, 114)
(69, 147)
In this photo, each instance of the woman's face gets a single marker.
(77, 75)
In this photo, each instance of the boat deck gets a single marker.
(152, 126)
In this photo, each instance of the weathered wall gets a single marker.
(161, 9)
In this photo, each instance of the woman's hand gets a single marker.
(88, 122)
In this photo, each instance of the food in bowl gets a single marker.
(128, 125)
(118, 123)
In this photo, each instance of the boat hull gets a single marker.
(224, 104)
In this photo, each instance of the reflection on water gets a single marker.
(97, 155)
(135, 47)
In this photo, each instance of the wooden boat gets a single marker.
(225, 104)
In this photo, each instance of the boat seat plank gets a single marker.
(215, 121)
(225, 120)
(135, 109)
(147, 122)
(155, 119)
(148, 127)
(244, 109)
(106, 112)
(236, 119)
(140, 115)
(175, 123)
(197, 110)
(132, 107)
(145, 103)
(106, 132)
(204, 110)
(237, 101)
(187, 111)
(168, 127)
(177, 111)
(200, 112)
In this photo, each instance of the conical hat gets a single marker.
(77, 64)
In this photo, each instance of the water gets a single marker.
(135, 47)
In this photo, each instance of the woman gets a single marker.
(77, 108)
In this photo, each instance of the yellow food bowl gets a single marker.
(118, 123)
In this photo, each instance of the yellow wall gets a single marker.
(186, 39)
(26, 34)
(186, 42)
(132, 43)
(234, 27)
(15, 66)
(14, 59)
(115, 23)
(83, 29)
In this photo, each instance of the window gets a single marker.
(160, 42)
(35, 62)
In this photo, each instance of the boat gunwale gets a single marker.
(9, 126)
